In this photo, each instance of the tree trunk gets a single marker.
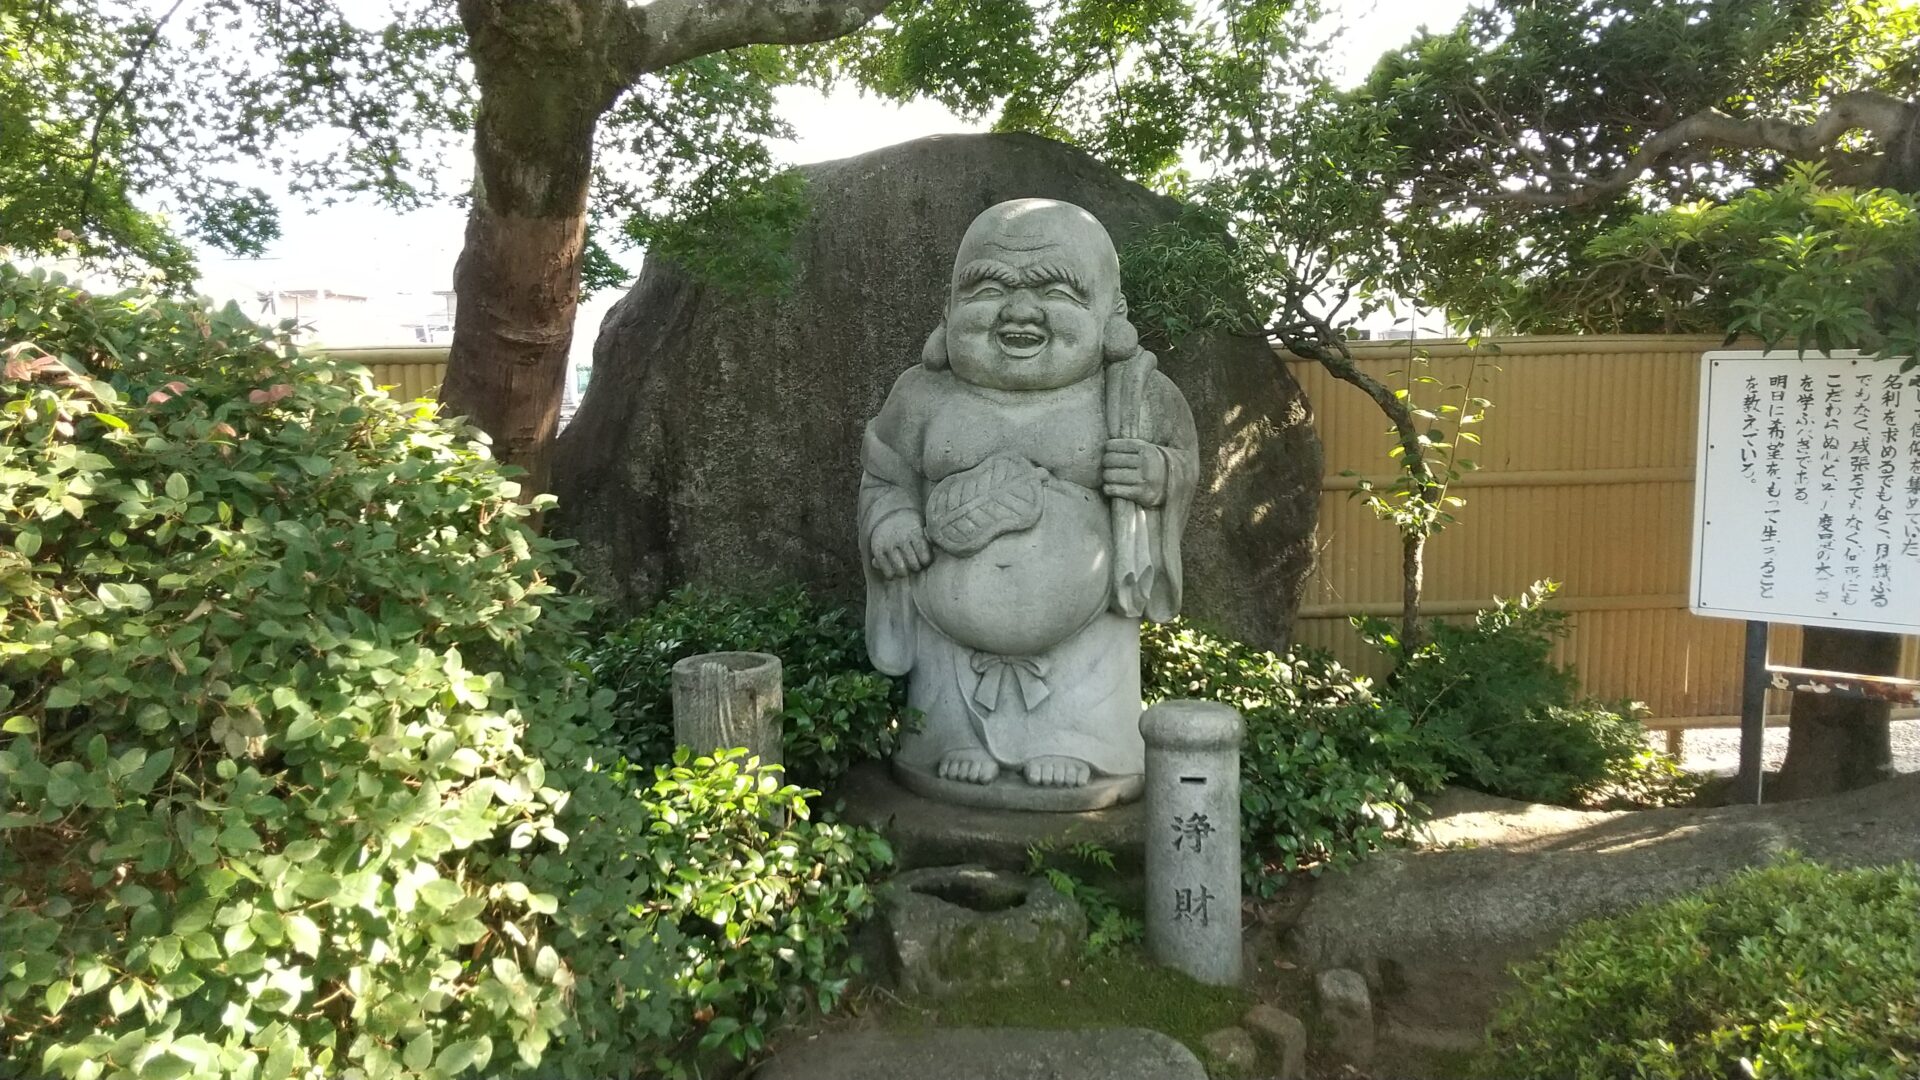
(517, 281)
(1838, 744)
(1413, 559)
(547, 71)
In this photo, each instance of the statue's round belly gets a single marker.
(1027, 591)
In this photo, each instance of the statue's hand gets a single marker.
(900, 546)
(1136, 470)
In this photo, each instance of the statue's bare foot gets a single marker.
(969, 767)
(1055, 771)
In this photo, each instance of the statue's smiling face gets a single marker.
(1033, 287)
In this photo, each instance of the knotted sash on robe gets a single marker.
(1028, 675)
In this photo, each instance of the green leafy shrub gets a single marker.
(839, 710)
(1793, 971)
(690, 919)
(1804, 264)
(1505, 719)
(1329, 769)
(1109, 925)
(754, 916)
(297, 779)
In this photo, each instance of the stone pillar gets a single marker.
(1193, 838)
(728, 699)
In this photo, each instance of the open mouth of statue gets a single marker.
(1021, 344)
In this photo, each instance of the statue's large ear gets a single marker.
(934, 353)
(1120, 340)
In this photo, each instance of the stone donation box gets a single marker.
(1193, 838)
(1022, 497)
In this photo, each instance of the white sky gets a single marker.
(400, 259)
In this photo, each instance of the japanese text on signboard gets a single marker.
(1808, 501)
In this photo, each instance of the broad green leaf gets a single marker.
(165, 1066)
(62, 791)
(441, 893)
(419, 1051)
(238, 939)
(122, 996)
(465, 1054)
(303, 934)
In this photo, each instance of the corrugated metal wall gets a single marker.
(1586, 477)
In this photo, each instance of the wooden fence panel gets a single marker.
(407, 371)
(1586, 477)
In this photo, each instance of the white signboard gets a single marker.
(1808, 491)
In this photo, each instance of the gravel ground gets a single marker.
(1717, 750)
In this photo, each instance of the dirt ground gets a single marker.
(1717, 750)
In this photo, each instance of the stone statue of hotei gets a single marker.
(1023, 493)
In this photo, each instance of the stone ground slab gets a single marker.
(1436, 929)
(928, 833)
(987, 1054)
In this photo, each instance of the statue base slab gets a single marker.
(927, 833)
(1010, 792)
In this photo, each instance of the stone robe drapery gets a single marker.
(1077, 693)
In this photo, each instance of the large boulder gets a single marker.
(1499, 882)
(719, 440)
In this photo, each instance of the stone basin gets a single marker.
(951, 929)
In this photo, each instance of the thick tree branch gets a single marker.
(1338, 362)
(40, 17)
(1884, 116)
(667, 32)
(135, 61)
(1312, 337)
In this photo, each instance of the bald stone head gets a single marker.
(1036, 284)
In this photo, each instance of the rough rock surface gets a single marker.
(1501, 881)
(953, 929)
(1284, 1036)
(1230, 1052)
(1346, 1008)
(719, 441)
(982, 1054)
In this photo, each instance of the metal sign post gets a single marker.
(1760, 676)
(1753, 714)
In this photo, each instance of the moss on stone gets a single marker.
(1119, 989)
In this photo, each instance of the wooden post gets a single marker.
(729, 699)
